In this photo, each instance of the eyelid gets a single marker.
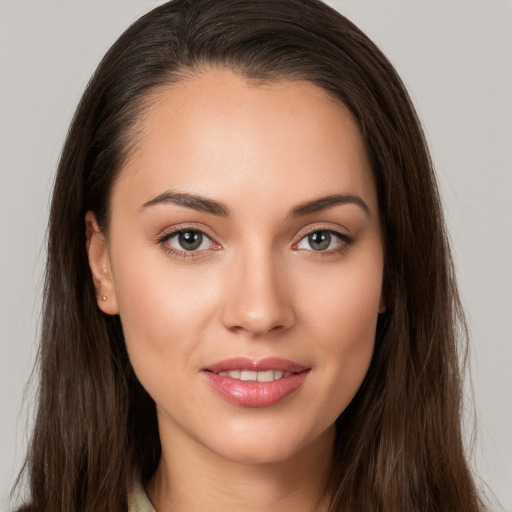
(338, 230)
(184, 226)
(167, 233)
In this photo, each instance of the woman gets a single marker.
(249, 297)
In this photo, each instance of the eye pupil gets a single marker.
(190, 240)
(319, 240)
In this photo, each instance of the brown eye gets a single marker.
(190, 240)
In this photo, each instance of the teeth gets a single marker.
(251, 376)
(248, 375)
(267, 376)
(235, 374)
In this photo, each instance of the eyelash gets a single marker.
(344, 241)
(163, 241)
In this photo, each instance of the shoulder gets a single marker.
(138, 500)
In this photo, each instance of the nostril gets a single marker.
(257, 301)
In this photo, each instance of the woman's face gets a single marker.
(245, 260)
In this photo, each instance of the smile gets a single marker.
(249, 383)
(252, 376)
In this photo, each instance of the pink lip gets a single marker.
(245, 363)
(255, 394)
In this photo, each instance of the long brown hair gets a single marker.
(398, 444)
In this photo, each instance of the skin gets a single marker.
(257, 289)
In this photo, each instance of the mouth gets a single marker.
(252, 376)
(249, 368)
(250, 383)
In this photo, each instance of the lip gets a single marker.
(250, 393)
(261, 365)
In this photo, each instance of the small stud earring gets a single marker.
(103, 297)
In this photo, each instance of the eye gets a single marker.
(188, 240)
(322, 240)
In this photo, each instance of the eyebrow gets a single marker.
(215, 208)
(326, 202)
(189, 201)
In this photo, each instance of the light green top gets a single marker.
(138, 501)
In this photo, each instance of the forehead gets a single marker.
(218, 133)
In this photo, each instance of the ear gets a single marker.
(99, 262)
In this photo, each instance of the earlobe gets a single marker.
(99, 263)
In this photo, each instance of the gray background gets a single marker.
(455, 58)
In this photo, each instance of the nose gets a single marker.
(258, 298)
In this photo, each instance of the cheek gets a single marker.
(344, 303)
(163, 308)
(162, 320)
(342, 323)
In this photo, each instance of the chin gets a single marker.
(259, 454)
(273, 446)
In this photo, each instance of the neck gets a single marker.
(192, 478)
